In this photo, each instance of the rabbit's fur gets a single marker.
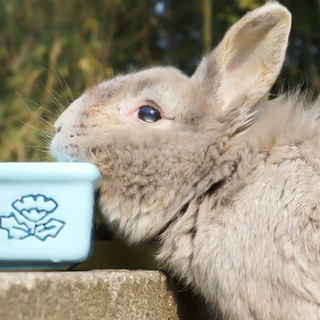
(229, 182)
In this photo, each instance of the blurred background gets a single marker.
(50, 51)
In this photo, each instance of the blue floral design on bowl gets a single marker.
(35, 207)
(30, 218)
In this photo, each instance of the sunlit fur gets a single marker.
(228, 182)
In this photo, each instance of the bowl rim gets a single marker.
(48, 171)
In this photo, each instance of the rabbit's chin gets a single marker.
(64, 154)
(62, 157)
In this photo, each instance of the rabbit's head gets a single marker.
(161, 138)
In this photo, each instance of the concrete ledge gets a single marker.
(98, 294)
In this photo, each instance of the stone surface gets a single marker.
(97, 294)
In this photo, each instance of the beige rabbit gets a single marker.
(228, 182)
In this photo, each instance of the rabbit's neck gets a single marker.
(178, 238)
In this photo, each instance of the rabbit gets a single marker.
(227, 181)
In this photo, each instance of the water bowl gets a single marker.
(46, 214)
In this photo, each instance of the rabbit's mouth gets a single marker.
(65, 152)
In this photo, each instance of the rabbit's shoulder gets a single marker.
(270, 226)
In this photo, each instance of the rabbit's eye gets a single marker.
(148, 114)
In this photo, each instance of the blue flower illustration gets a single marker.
(30, 218)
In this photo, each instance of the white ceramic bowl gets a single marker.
(46, 214)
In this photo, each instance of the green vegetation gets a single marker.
(51, 50)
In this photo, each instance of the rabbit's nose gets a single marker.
(58, 126)
(60, 122)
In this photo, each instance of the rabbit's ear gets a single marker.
(241, 70)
